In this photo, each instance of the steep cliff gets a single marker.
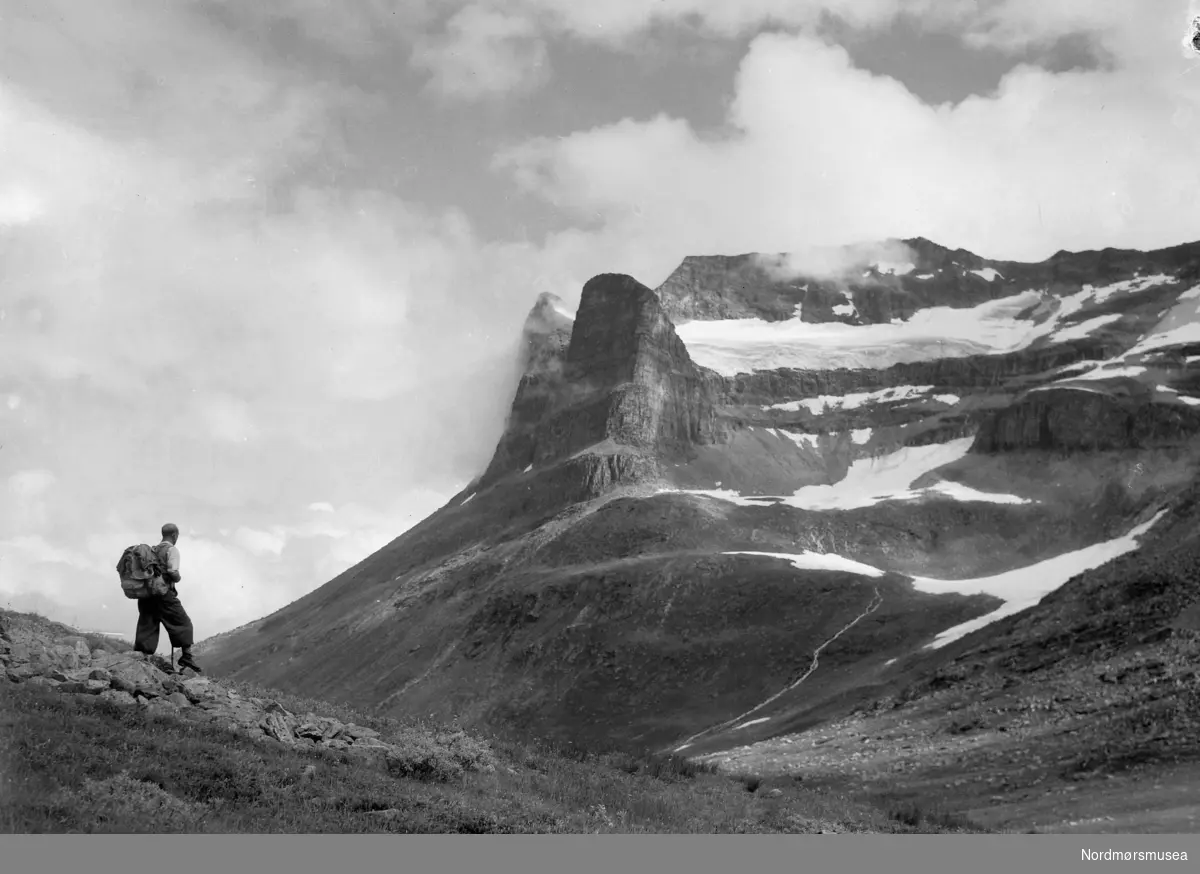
(623, 383)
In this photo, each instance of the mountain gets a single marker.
(780, 489)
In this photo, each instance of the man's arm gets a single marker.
(172, 574)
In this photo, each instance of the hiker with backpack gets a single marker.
(149, 575)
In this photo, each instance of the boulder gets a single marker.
(313, 730)
(198, 689)
(64, 656)
(277, 727)
(84, 687)
(179, 700)
(161, 707)
(354, 732)
(230, 711)
(137, 678)
(116, 696)
(276, 707)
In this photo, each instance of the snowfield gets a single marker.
(733, 346)
(1026, 586)
(871, 481)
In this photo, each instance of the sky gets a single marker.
(263, 267)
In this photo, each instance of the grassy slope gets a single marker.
(1082, 713)
(77, 763)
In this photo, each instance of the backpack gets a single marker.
(141, 568)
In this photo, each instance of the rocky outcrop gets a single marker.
(1085, 421)
(624, 380)
(545, 338)
(36, 652)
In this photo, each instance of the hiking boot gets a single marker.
(186, 661)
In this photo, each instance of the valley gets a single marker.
(887, 531)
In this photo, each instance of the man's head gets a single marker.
(170, 532)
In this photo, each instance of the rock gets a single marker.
(276, 707)
(137, 678)
(21, 673)
(198, 689)
(354, 732)
(775, 793)
(179, 699)
(309, 772)
(44, 681)
(83, 650)
(277, 727)
(369, 743)
(65, 656)
(100, 674)
(161, 707)
(310, 730)
(116, 696)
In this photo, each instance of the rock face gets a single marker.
(1086, 421)
(623, 381)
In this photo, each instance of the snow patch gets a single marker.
(870, 481)
(950, 400)
(1068, 387)
(526, 470)
(1083, 329)
(1025, 587)
(853, 401)
(820, 561)
(467, 498)
(889, 662)
(923, 276)
(1108, 372)
(987, 274)
(962, 492)
(800, 439)
(564, 312)
(860, 435)
(751, 722)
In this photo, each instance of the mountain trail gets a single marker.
(876, 601)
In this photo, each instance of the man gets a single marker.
(165, 609)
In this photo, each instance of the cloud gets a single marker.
(822, 153)
(195, 325)
(484, 52)
(836, 262)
